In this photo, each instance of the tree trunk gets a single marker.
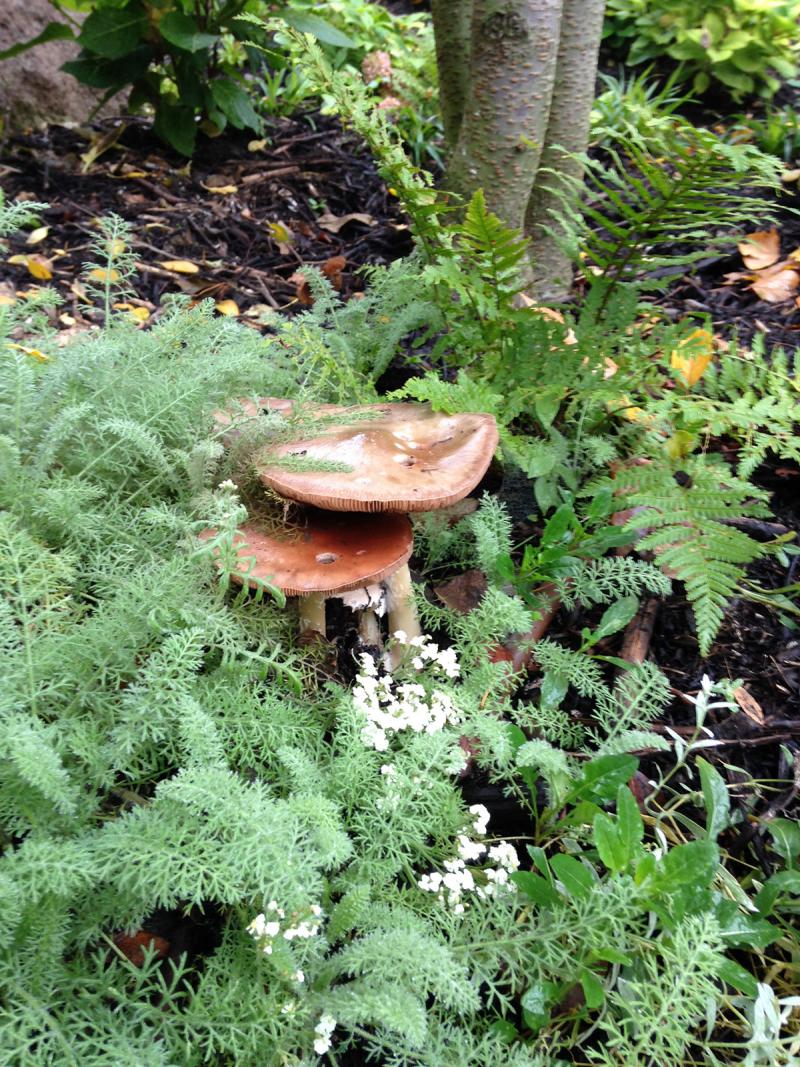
(516, 83)
(568, 129)
(452, 23)
(511, 69)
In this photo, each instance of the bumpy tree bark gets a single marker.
(518, 85)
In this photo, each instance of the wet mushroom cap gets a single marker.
(332, 554)
(404, 457)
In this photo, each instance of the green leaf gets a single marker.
(182, 31)
(558, 526)
(99, 73)
(736, 975)
(629, 822)
(176, 125)
(593, 989)
(717, 800)
(743, 929)
(234, 103)
(616, 617)
(546, 404)
(785, 835)
(553, 689)
(536, 1003)
(603, 776)
(784, 882)
(608, 843)
(113, 32)
(317, 27)
(53, 31)
(535, 888)
(576, 878)
(694, 863)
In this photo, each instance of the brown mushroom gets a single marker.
(332, 553)
(403, 458)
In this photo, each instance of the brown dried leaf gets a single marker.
(749, 705)
(777, 283)
(760, 249)
(334, 223)
(464, 592)
(332, 269)
(133, 945)
(303, 292)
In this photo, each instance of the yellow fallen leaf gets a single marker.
(281, 233)
(101, 275)
(680, 444)
(228, 307)
(777, 283)
(140, 314)
(222, 190)
(66, 319)
(38, 266)
(7, 301)
(760, 249)
(181, 266)
(115, 247)
(257, 146)
(610, 368)
(631, 413)
(692, 356)
(34, 353)
(37, 235)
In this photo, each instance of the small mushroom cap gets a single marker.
(404, 457)
(332, 554)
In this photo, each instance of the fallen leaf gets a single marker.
(790, 176)
(37, 235)
(303, 293)
(334, 223)
(181, 266)
(257, 146)
(140, 314)
(133, 946)
(692, 356)
(227, 307)
(464, 592)
(610, 368)
(101, 144)
(760, 249)
(282, 235)
(34, 353)
(332, 269)
(222, 190)
(99, 274)
(115, 247)
(6, 300)
(38, 266)
(777, 283)
(749, 705)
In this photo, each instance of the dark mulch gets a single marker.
(309, 168)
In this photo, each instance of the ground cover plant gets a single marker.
(225, 845)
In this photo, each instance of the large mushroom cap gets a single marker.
(404, 457)
(333, 553)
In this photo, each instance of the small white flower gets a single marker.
(481, 821)
(298, 976)
(323, 1030)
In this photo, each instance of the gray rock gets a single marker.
(33, 90)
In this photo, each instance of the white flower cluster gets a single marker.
(390, 707)
(457, 880)
(265, 930)
(323, 1030)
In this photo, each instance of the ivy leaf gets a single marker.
(181, 30)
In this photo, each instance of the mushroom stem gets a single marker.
(311, 608)
(369, 629)
(400, 602)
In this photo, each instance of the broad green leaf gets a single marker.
(536, 1003)
(612, 955)
(785, 835)
(717, 800)
(784, 882)
(546, 404)
(607, 841)
(176, 126)
(234, 103)
(317, 27)
(736, 975)
(53, 31)
(553, 689)
(535, 888)
(559, 525)
(603, 776)
(629, 822)
(576, 878)
(593, 989)
(616, 617)
(694, 863)
(742, 928)
(182, 31)
(113, 32)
